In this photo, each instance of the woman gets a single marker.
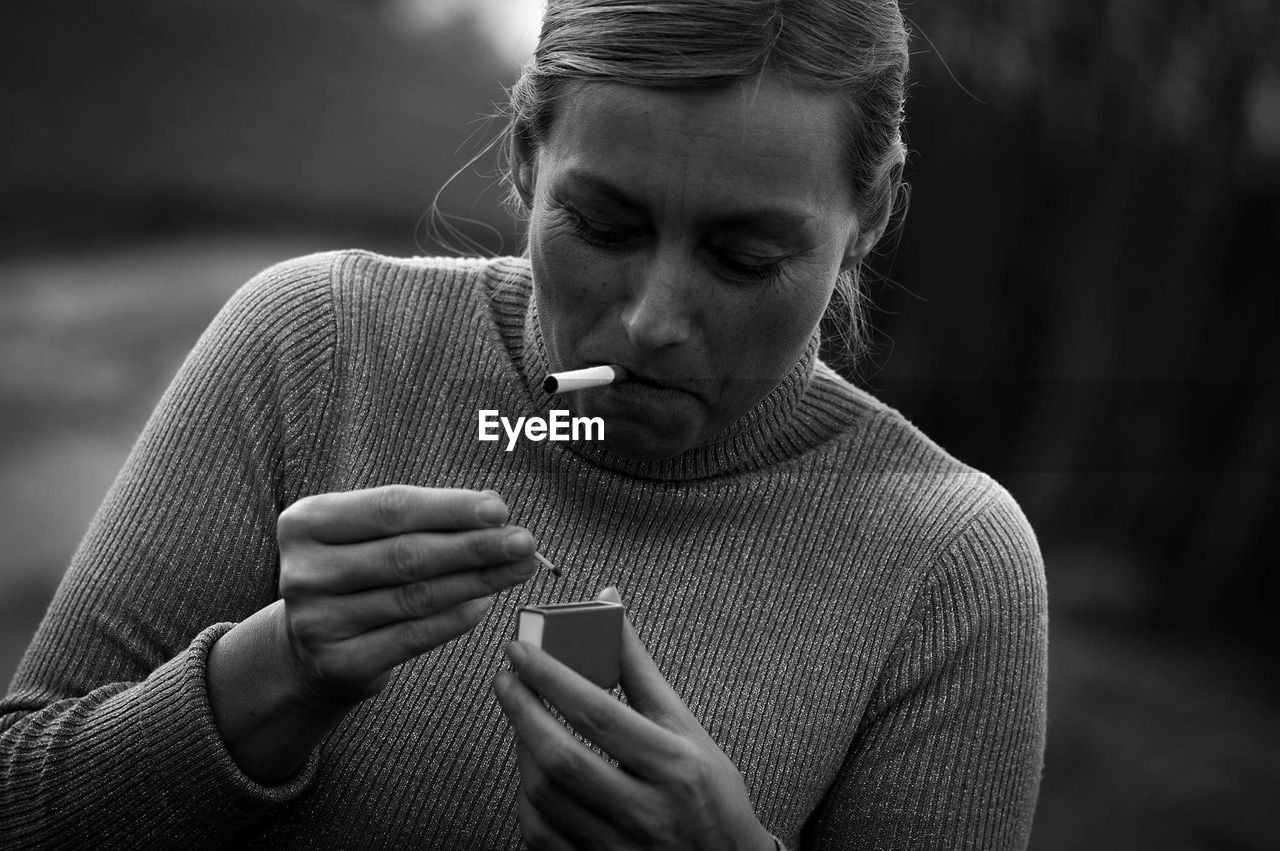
(286, 625)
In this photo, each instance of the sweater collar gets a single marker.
(774, 430)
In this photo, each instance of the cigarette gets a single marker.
(583, 379)
(547, 564)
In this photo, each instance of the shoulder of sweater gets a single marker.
(981, 552)
(311, 296)
(364, 275)
(290, 300)
(911, 470)
(991, 561)
(375, 288)
(998, 553)
(358, 272)
(884, 439)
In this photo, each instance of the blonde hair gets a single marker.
(856, 48)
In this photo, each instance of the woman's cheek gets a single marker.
(796, 304)
(573, 262)
(573, 291)
(772, 329)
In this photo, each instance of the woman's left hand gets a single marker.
(672, 787)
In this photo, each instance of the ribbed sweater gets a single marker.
(857, 618)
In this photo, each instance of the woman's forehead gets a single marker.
(754, 139)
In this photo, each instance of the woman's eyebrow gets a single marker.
(770, 220)
(584, 181)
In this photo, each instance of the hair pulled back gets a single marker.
(855, 48)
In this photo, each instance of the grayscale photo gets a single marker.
(768, 425)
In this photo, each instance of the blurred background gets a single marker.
(1081, 301)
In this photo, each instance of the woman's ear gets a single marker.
(862, 241)
(524, 167)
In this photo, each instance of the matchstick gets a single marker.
(547, 564)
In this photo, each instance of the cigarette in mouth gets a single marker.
(583, 379)
(547, 564)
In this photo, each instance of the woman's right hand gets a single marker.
(373, 578)
(368, 579)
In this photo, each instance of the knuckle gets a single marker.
(416, 598)
(306, 626)
(297, 578)
(418, 635)
(689, 775)
(390, 503)
(480, 547)
(291, 583)
(596, 720)
(648, 826)
(459, 619)
(405, 556)
(296, 519)
(539, 792)
(564, 765)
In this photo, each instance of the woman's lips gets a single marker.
(649, 382)
(640, 384)
(643, 379)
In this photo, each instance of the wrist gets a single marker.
(268, 721)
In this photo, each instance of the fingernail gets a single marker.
(492, 493)
(492, 511)
(524, 568)
(516, 652)
(501, 681)
(609, 594)
(519, 543)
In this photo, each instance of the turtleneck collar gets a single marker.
(774, 430)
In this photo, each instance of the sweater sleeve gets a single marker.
(106, 735)
(950, 750)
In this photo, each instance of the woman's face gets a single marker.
(694, 237)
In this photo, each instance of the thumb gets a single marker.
(647, 691)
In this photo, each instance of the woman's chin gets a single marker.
(646, 424)
(644, 444)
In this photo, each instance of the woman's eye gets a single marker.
(749, 267)
(599, 234)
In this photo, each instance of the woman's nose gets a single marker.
(659, 311)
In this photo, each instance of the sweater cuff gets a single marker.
(144, 766)
(200, 747)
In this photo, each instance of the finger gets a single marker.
(647, 690)
(561, 759)
(362, 515)
(345, 615)
(549, 815)
(637, 743)
(402, 559)
(538, 835)
(363, 656)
